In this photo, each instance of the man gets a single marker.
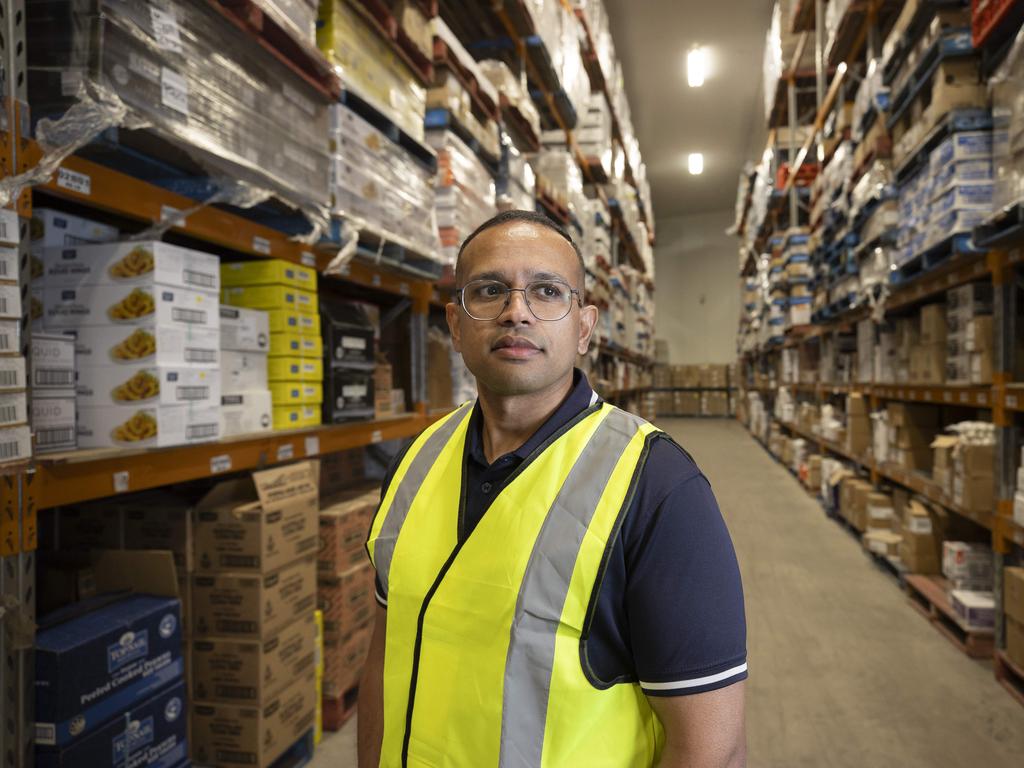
(556, 584)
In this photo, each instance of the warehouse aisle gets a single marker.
(843, 672)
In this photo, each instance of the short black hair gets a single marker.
(530, 217)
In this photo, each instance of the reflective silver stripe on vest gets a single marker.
(531, 653)
(422, 462)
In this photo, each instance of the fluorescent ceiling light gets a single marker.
(696, 66)
(695, 163)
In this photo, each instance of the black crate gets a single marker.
(348, 395)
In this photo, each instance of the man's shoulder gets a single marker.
(668, 465)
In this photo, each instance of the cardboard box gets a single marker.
(55, 422)
(980, 334)
(10, 335)
(15, 444)
(50, 228)
(933, 324)
(243, 372)
(919, 553)
(244, 330)
(258, 523)
(296, 345)
(268, 272)
(12, 374)
(343, 664)
(252, 671)
(344, 527)
(272, 297)
(251, 605)
(858, 435)
(928, 364)
(347, 600)
(146, 344)
(295, 369)
(149, 734)
(10, 302)
(884, 543)
(974, 494)
(1015, 641)
(247, 412)
(254, 737)
(296, 416)
(293, 321)
(150, 385)
(966, 560)
(879, 511)
(92, 666)
(13, 409)
(686, 403)
(1013, 592)
(296, 393)
(351, 395)
(91, 305)
(975, 609)
(348, 336)
(140, 263)
(52, 365)
(147, 426)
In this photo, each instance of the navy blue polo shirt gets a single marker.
(669, 612)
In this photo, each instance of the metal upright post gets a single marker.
(794, 147)
(819, 49)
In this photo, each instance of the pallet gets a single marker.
(955, 121)
(935, 256)
(1003, 229)
(339, 711)
(377, 246)
(445, 58)
(1009, 675)
(442, 119)
(927, 594)
(518, 126)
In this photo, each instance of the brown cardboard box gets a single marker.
(882, 542)
(347, 600)
(344, 526)
(933, 324)
(662, 376)
(1015, 641)
(251, 671)
(258, 523)
(250, 736)
(686, 403)
(858, 434)
(715, 404)
(439, 371)
(383, 380)
(974, 494)
(879, 511)
(916, 458)
(382, 403)
(861, 492)
(714, 376)
(1013, 592)
(814, 473)
(664, 403)
(928, 364)
(911, 415)
(982, 366)
(921, 553)
(343, 663)
(856, 404)
(975, 460)
(253, 605)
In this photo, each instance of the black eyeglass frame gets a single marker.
(508, 298)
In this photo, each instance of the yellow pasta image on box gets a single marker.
(296, 393)
(138, 261)
(140, 427)
(139, 345)
(295, 345)
(271, 297)
(142, 386)
(267, 272)
(295, 369)
(136, 304)
(296, 416)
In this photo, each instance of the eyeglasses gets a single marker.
(548, 300)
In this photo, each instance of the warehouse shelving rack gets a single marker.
(996, 255)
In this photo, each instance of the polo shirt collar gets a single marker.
(580, 397)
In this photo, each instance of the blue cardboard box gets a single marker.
(152, 734)
(99, 658)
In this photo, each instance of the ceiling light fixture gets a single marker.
(696, 66)
(695, 163)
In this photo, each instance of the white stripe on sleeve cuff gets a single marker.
(696, 682)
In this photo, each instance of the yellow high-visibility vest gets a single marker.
(485, 662)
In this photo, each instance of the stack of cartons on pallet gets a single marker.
(969, 344)
(1013, 606)
(252, 653)
(912, 428)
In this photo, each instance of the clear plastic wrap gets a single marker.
(1008, 127)
(465, 191)
(506, 83)
(369, 66)
(195, 79)
(296, 17)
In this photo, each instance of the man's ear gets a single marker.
(588, 322)
(454, 317)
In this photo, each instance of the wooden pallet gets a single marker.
(928, 596)
(1009, 675)
(339, 711)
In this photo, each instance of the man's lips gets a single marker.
(515, 346)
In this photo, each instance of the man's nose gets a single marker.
(517, 311)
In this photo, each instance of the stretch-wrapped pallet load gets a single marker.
(370, 67)
(288, 294)
(147, 329)
(513, 90)
(465, 191)
(375, 180)
(195, 78)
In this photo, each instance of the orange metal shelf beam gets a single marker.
(77, 477)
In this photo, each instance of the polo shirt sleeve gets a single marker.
(684, 597)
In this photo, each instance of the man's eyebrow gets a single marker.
(548, 276)
(493, 275)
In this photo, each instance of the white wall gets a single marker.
(696, 288)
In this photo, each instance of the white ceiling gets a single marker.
(724, 119)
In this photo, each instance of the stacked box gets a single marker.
(942, 461)
(345, 589)
(103, 666)
(349, 344)
(912, 428)
(714, 403)
(967, 565)
(53, 394)
(245, 339)
(465, 191)
(147, 340)
(970, 342)
(921, 531)
(974, 475)
(288, 293)
(858, 424)
(928, 357)
(1013, 606)
(252, 653)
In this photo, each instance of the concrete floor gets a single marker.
(843, 672)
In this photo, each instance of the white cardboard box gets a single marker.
(13, 409)
(244, 330)
(12, 374)
(243, 372)
(10, 336)
(10, 302)
(144, 263)
(126, 305)
(15, 444)
(52, 228)
(9, 264)
(146, 344)
(54, 424)
(137, 385)
(53, 365)
(243, 413)
(128, 426)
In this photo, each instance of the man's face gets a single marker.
(517, 354)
